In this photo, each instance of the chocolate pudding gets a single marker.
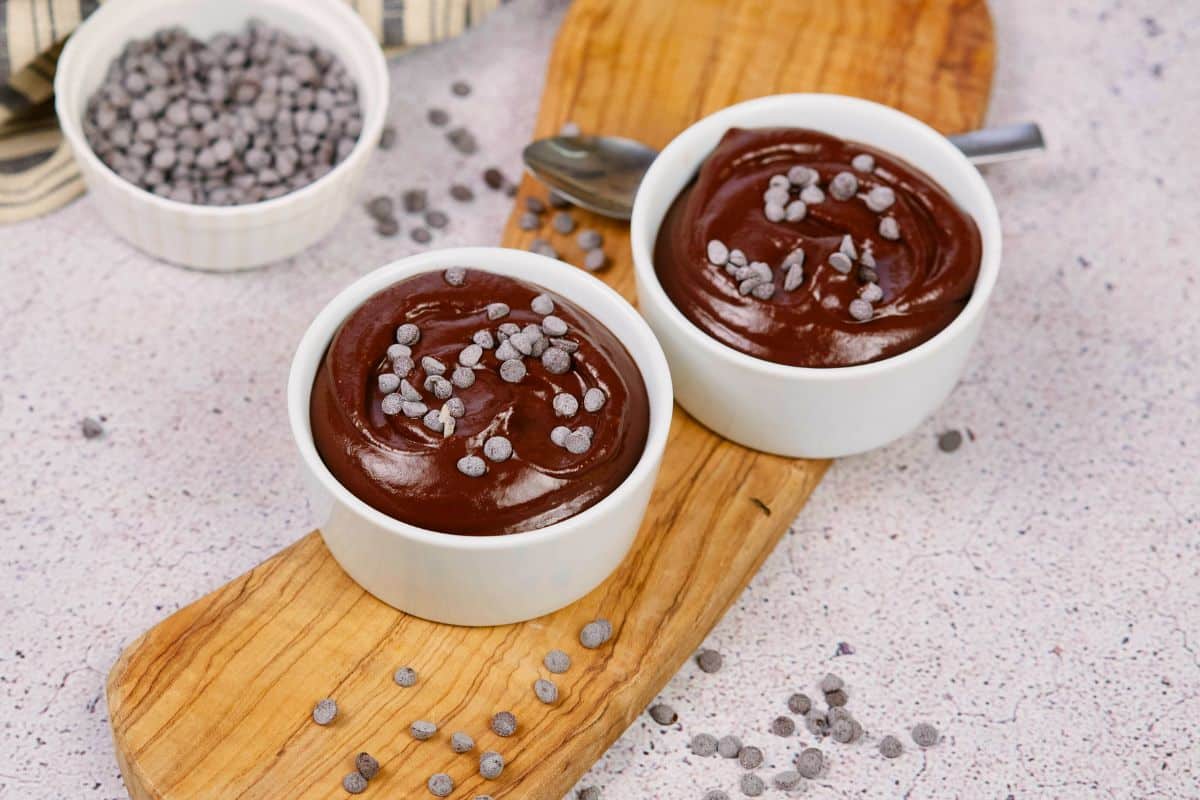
(471, 403)
(797, 247)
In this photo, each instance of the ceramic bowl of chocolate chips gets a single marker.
(222, 134)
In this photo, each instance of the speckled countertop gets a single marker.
(1035, 594)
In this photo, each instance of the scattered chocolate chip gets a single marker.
(880, 199)
(497, 310)
(545, 690)
(497, 449)
(890, 747)
(663, 714)
(421, 235)
(809, 762)
(461, 193)
(589, 239)
(709, 661)
(783, 726)
(867, 274)
(414, 200)
(860, 309)
(841, 262)
(491, 764)
(836, 698)
(559, 435)
(462, 742)
(577, 442)
(871, 293)
(831, 683)
(513, 370)
(889, 228)
(528, 221)
(406, 677)
(381, 207)
(387, 227)
(595, 260)
(504, 723)
(494, 178)
(715, 794)
(842, 731)
(422, 730)
(460, 88)
(387, 137)
(787, 780)
(812, 195)
(440, 785)
(436, 219)
(367, 765)
(729, 746)
(717, 252)
(595, 634)
(949, 441)
(843, 186)
(925, 735)
(557, 662)
(91, 428)
(438, 117)
(837, 713)
(324, 711)
(354, 783)
(471, 466)
(703, 745)
(462, 140)
(752, 785)
(799, 703)
(563, 222)
(816, 722)
(750, 757)
(863, 162)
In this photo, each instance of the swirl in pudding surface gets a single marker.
(800, 248)
(511, 409)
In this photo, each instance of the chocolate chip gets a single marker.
(491, 764)
(799, 703)
(729, 746)
(842, 731)
(557, 662)
(462, 742)
(422, 730)
(324, 711)
(565, 405)
(436, 219)
(595, 634)
(563, 222)
(831, 683)
(949, 441)
(710, 661)
(462, 140)
(925, 735)
(433, 421)
(863, 162)
(867, 275)
(91, 428)
(354, 783)
(809, 762)
(528, 221)
(663, 714)
(715, 794)
(543, 304)
(802, 176)
(512, 370)
(409, 392)
(595, 260)
(556, 361)
(703, 745)
(816, 722)
(750, 757)
(471, 466)
(843, 186)
(795, 211)
(440, 785)
(559, 435)
(836, 698)
(494, 178)
(793, 278)
(545, 691)
(367, 765)
(717, 252)
(889, 228)
(861, 310)
(437, 116)
(405, 676)
(871, 293)
(812, 195)
(497, 310)
(577, 442)
(387, 227)
(594, 399)
(880, 198)
(787, 780)
(840, 262)
(497, 449)
(890, 747)
(589, 239)
(752, 785)
(484, 339)
(783, 726)
(421, 235)
(504, 723)
(413, 409)
(455, 407)
(414, 200)
(460, 88)
(381, 207)
(462, 194)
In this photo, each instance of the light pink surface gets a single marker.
(1034, 594)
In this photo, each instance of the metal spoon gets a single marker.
(602, 173)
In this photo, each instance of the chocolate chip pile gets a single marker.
(236, 119)
(787, 199)
(512, 345)
(834, 721)
(502, 723)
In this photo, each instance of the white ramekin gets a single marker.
(483, 580)
(798, 411)
(226, 237)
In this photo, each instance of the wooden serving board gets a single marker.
(214, 702)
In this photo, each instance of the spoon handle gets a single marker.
(1001, 143)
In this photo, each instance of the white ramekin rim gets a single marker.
(644, 231)
(72, 128)
(636, 337)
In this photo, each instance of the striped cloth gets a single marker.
(37, 173)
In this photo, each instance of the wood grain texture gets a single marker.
(214, 702)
